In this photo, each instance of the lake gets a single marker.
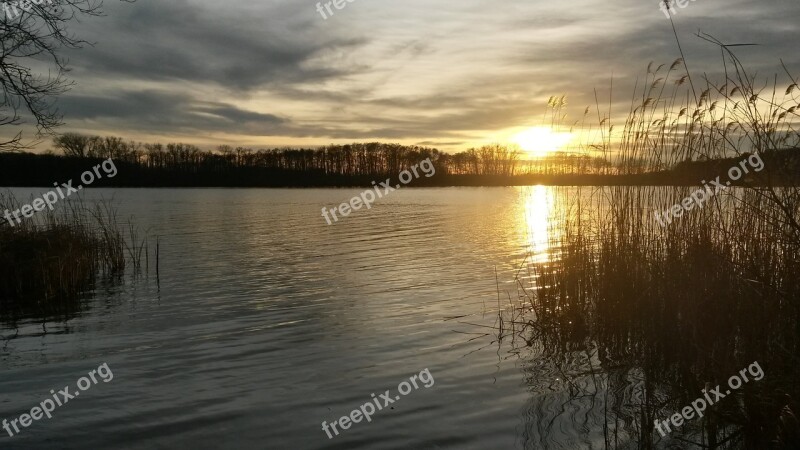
(264, 321)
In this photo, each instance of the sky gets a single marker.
(446, 74)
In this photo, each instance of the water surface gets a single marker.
(264, 321)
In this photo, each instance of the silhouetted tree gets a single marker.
(72, 144)
(36, 31)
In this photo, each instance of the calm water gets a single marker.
(266, 321)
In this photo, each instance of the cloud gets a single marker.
(439, 144)
(417, 71)
(164, 111)
(196, 42)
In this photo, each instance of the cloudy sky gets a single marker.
(444, 73)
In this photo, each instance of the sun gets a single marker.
(541, 141)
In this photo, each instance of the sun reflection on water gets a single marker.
(537, 229)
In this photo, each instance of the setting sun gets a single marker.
(540, 141)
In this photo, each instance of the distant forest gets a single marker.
(358, 164)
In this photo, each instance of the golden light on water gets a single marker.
(541, 141)
(539, 206)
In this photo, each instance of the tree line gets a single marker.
(355, 159)
(358, 164)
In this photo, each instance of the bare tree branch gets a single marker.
(28, 32)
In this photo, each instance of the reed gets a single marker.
(680, 307)
(50, 262)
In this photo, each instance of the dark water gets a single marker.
(265, 321)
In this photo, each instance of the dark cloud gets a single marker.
(163, 111)
(187, 41)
